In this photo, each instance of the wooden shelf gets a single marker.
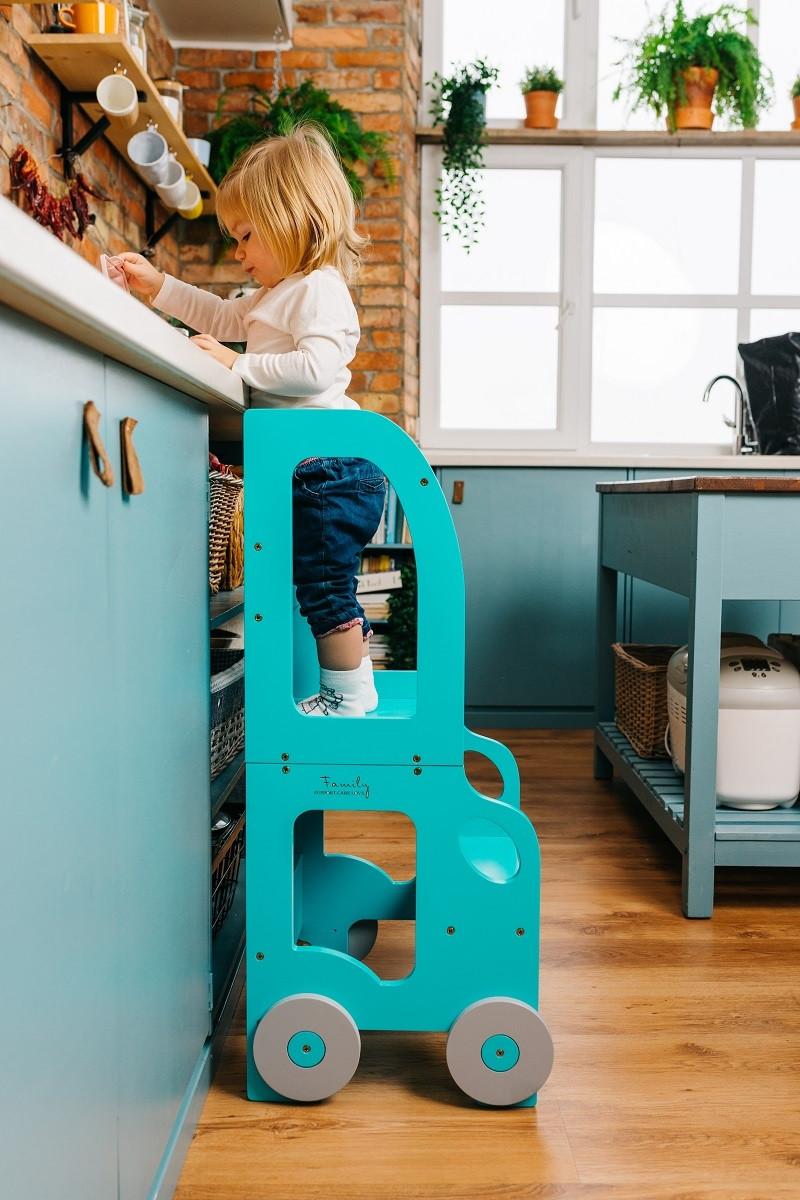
(223, 785)
(80, 60)
(225, 605)
(518, 135)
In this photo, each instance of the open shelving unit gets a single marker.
(79, 61)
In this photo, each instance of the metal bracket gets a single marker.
(70, 150)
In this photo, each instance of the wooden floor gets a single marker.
(677, 1072)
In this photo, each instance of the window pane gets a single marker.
(643, 240)
(769, 322)
(510, 35)
(628, 19)
(650, 367)
(506, 259)
(776, 246)
(779, 48)
(499, 367)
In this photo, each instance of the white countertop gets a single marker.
(730, 463)
(47, 281)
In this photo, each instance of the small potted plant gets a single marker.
(459, 104)
(541, 87)
(680, 64)
(796, 103)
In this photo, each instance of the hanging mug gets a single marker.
(98, 17)
(191, 206)
(116, 95)
(173, 187)
(149, 153)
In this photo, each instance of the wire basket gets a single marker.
(227, 857)
(227, 707)
(640, 684)
(225, 492)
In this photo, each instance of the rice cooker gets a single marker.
(758, 740)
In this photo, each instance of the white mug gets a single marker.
(172, 189)
(201, 149)
(116, 95)
(148, 151)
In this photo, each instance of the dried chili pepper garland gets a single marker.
(68, 213)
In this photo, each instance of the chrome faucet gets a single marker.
(745, 442)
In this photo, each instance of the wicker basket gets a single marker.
(227, 856)
(225, 491)
(227, 707)
(640, 679)
(233, 574)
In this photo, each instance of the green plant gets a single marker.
(796, 87)
(669, 45)
(402, 629)
(270, 116)
(459, 103)
(541, 79)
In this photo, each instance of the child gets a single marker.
(290, 209)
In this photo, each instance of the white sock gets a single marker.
(339, 695)
(369, 695)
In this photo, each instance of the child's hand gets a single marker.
(141, 275)
(211, 346)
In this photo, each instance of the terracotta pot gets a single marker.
(540, 110)
(696, 112)
(796, 103)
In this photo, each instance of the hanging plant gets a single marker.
(679, 63)
(459, 104)
(272, 116)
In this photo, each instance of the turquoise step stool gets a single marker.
(312, 916)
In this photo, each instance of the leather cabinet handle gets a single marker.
(101, 464)
(132, 478)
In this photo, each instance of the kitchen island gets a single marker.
(106, 998)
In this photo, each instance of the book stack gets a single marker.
(379, 651)
(376, 606)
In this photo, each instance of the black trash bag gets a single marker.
(772, 377)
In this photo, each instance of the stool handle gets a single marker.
(502, 758)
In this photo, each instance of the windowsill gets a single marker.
(518, 135)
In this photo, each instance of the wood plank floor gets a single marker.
(677, 1072)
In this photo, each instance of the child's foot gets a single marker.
(369, 696)
(339, 695)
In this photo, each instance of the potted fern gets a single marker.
(540, 87)
(270, 116)
(796, 103)
(680, 64)
(459, 104)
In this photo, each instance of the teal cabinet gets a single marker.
(104, 919)
(528, 539)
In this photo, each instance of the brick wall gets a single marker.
(366, 53)
(30, 112)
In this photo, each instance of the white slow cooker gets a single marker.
(758, 741)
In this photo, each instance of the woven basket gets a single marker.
(225, 872)
(233, 575)
(227, 707)
(640, 681)
(225, 490)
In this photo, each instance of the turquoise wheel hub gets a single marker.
(500, 1052)
(306, 1049)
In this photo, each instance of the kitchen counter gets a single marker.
(48, 282)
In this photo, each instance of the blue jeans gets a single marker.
(337, 507)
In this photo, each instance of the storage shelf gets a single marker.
(741, 838)
(228, 945)
(223, 785)
(224, 606)
(386, 547)
(80, 60)
(518, 135)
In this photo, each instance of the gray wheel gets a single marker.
(499, 1051)
(361, 938)
(306, 1047)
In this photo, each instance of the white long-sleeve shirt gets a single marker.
(300, 336)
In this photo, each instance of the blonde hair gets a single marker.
(293, 192)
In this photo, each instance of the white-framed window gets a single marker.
(610, 283)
